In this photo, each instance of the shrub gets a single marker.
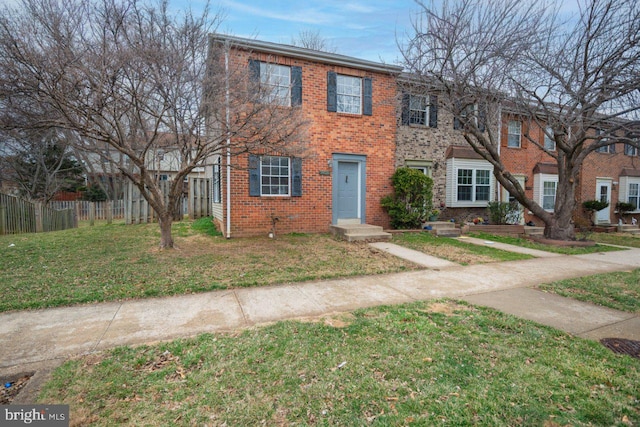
(594, 205)
(410, 204)
(624, 208)
(504, 212)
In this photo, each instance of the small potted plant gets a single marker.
(434, 214)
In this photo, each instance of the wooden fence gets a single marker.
(21, 216)
(89, 211)
(196, 205)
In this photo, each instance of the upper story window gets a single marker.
(611, 148)
(279, 84)
(514, 132)
(421, 110)
(277, 81)
(630, 150)
(348, 94)
(549, 142)
(349, 91)
(472, 114)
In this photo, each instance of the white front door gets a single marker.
(603, 193)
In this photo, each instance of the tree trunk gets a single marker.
(166, 239)
(561, 227)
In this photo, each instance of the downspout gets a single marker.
(499, 145)
(228, 120)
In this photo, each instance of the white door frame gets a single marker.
(603, 216)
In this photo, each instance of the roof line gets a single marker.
(307, 54)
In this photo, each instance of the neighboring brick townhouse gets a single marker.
(431, 140)
(611, 174)
(350, 105)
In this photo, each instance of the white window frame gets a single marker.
(424, 111)
(549, 143)
(217, 181)
(277, 81)
(424, 166)
(272, 176)
(630, 150)
(626, 194)
(349, 94)
(454, 168)
(607, 149)
(540, 191)
(514, 132)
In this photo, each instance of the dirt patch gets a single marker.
(446, 308)
(335, 320)
(457, 255)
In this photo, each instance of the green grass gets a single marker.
(621, 239)
(205, 226)
(117, 261)
(620, 291)
(421, 364)
(525, 243)
(455, 250)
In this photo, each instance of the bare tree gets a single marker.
(135, 78)
(41, 163)
(312, 39)
(567, 75)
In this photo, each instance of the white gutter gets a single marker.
(227, 124)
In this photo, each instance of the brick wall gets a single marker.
(372, 136)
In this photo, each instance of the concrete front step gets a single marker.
(359, 232)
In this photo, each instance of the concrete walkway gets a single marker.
(50, 336)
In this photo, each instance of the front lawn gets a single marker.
(114, 262)
(431, 363)
(454, 250)
(526, 243)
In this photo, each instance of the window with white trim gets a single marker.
(633, 195)
(611, 148)
(349, 93)
(549, 195)
(418, 110)
(274, 176)
(514, 132)
(630, 150)
(217, 181)
(276, 79)
(473, 185)
(549, 142)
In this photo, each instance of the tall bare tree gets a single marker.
(567, 75)
(137, 78)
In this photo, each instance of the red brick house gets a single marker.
(350, 107)
(610, 174)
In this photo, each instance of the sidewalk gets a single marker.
(52, 335)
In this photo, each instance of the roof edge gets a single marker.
(307, 54)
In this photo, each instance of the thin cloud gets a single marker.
(307, 16)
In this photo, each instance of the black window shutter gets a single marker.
(296, 86)
(332, 93)
(482, 118)
(406, 104)
(296, 186)
(254, 175)
(433, 111)
(367, 104)
(254, 71)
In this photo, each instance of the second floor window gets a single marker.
(349, 92)
(515, 129)
(276, 79)
(630, 150)
(611, 148)
(277, 84)
(549, 142)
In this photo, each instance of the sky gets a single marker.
(365, 29)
